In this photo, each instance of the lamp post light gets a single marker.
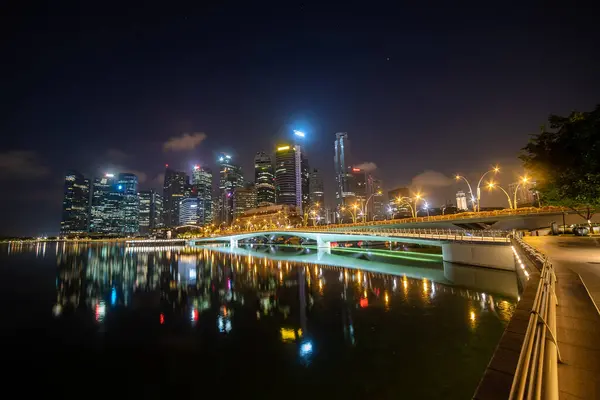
(353, 214)
(476, 199)
(523, 180)
(406, 200)
(310, 210)
(495, 170)
(426, 207)
(365, 204)
(493, 185)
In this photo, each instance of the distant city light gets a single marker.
(120, 187)
(196, 167)
(221, 158)
(282, 148)
(227, 156)
(356, 169)
(193, 205)
(109, 175)
(306, 348)
(113, 296)
(299, 133)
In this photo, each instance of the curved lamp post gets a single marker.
(493, 185)
(406, 200)
(495, 170)
(312, 209)
(523, 180)
(349, 209)
(365, 204)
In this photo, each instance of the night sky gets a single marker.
(422, 92)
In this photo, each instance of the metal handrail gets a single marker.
(536, 376)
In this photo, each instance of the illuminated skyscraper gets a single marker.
(76, 204)
(188, 211)
(106, 217)
(264, 177)
(343, 174)
(230, 177)
(173, 192)
(151, 209)
(288, 176)
(129, 208)
(316, 187)
(202, 183)
(244, 199)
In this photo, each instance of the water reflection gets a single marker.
(294, 311)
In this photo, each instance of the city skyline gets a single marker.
(441, 93)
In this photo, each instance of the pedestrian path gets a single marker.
(577, 316)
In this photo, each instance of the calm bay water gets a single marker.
(262, 322)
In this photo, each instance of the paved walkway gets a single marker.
(577, 316)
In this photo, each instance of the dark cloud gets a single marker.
(21, 165)
(187, 141)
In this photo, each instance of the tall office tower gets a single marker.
(230, 177)
(359, 187)
(188, 211)
(305, 181)
(127, 185)
(264, 177)
(202, 183)
(288, 176)
(315, 188)
(173, 192)
(150, 214)
(106, 215)
(244, 199)
(76, 204)
(343, 174)
(461, 200)
(376, 206)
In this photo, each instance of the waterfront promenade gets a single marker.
(577, 316)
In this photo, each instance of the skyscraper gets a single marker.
(106, 217)
(129, 208)
(230, 177)
(305, 181)
(461, 200)
(76, 204)
(150, 214)
(315, 187)
(202, 183)
(264, 178)
(188, 211)
(288, 176)
(244, 199)
(359, 186)
(376, 206)
(173, 192)
(342, 168)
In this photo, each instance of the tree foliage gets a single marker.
(565, 160)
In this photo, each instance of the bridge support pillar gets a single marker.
(479, 254)
(321, 244)
(233, 243)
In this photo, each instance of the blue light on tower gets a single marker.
(299, 133)
(120, 187)
(306, 349)
(113, 296)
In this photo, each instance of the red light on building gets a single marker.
(162, 318)
(195, 315)
(364, 302)
(356, 169)
(166, 165)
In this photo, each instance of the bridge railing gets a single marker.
(465, 215)
(536, 376)
(445, 234)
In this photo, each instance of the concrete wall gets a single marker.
(488, 280)
(481, 255)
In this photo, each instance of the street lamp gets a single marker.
(495, 170)
(523, 180)
(492, 185)
(310, 210)
(353, 214)
(404, 200)
(367, 202)
(476, 205)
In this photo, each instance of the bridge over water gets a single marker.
(480, 248)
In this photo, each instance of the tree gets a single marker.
(566, 161)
